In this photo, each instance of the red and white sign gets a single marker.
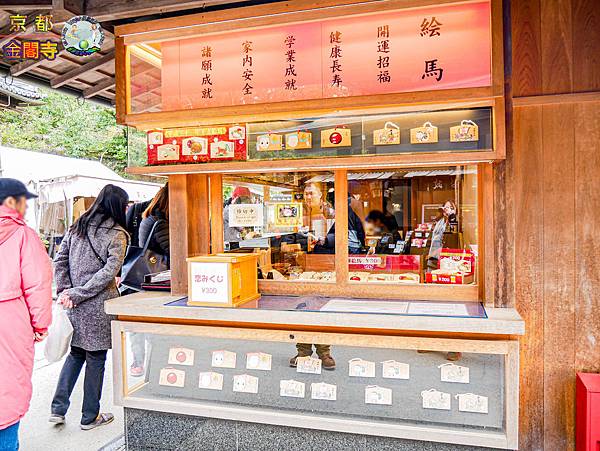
(210, 282)
(416, 49)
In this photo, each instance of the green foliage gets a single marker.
(65, 127)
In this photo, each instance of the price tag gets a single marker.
(171, 377)
(181, 356)
(211, 381)
(244, 383)
(451, 372)
(223, 359)
(434, 399)
(323, 391)
(395, 370)
(468, 402)
(361, 368)
(378, 395)
(308, 365)
(258, 361)
(291, 389)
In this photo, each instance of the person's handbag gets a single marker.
(60, 333)
(140, 261)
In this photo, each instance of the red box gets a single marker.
(453, 260)
(384, 263)
(588, 412)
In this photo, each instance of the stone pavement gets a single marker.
(36, 434)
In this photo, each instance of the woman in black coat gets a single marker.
(157, 213)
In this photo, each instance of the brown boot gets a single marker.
(453, 356)
(327, 362)
(293, 360)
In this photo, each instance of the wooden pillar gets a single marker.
(189, 226)
(341, 229)
(216, 213)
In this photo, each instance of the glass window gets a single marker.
(413, 226)
(146, 87)
(372, 132)
(287, 218)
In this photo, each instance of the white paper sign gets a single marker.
(468, 402)
(378, 395)
(395, 370)
(454, 373)
(258, 361)
(181, 356)
(171, 377)
(309, 365)
(245, 215)
(210, 381)
(437, 308)
(323, 391)
(292, 389)
(433, 399)
(244, 383)
(210, 282)
(361, 368)
(223, 359)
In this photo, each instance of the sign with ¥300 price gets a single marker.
(209, 282)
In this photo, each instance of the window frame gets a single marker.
(480, 292)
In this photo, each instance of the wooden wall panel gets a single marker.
(557, 46)
(557, 232)
(526, 48)
(528, 177)
(587, 237)
(586, 45)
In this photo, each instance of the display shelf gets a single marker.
(356, 162)
(155, 307)
(487, 372)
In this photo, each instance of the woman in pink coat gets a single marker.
(25, 307)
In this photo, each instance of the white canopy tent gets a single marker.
(61, 181)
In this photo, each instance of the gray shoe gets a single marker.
(101, 420)
(56, 419)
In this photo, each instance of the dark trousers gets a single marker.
(92, 384)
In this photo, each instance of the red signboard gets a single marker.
(416, 49)
(197, 144)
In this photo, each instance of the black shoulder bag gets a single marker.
(141, 261)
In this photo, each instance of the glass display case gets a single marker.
(374, 132)
(391, 386)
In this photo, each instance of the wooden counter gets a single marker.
(150, 307)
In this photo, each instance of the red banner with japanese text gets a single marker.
(417, 49)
